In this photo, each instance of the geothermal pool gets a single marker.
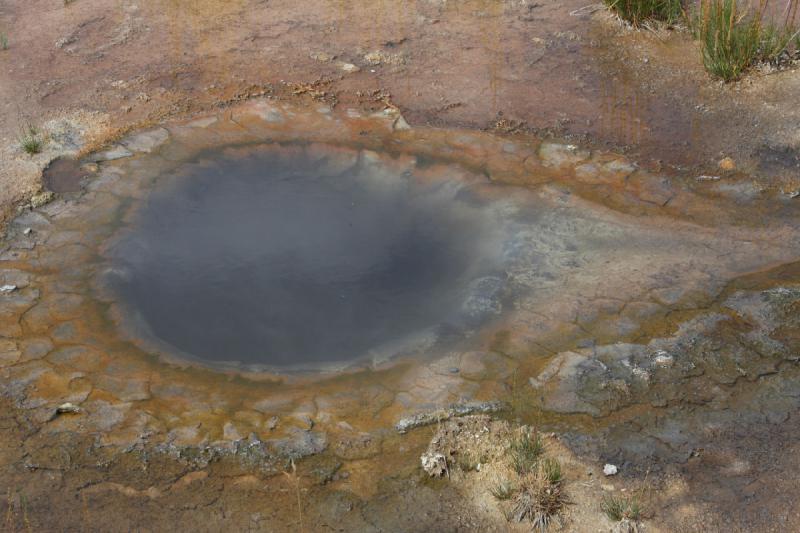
(172, 297)
(281, 256)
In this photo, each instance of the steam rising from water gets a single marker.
(299, 258)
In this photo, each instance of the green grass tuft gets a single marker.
(503, 490)
(31, 140)
(637, 12)
(525, 452)
(619, 509)
(733, 40)
(551, 470)
(3, 41)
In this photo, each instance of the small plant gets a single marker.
(9, 522)
(637, 12)
(295, 480)
(539, 501)
(733, 40)
(23, 501)
(30, 140)
(502, 490)
(619, 509)
(3, 41)
(525, 452)
(551, 471)
(470, 461)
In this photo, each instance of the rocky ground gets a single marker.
(661, 339)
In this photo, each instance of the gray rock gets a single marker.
(433, 417)
(67, 408)
(31, 219)
(146, 141)
(300, 444)
(434, 464)
(112, 154)
(400, 124)
(12, 277)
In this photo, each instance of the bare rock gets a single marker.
(112, 154)
(434, 464)
(67, 408)
(300, 444)
(349, 67)
(433, 417)
(146, 141)
(610, 470)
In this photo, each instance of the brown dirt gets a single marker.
(553, 67)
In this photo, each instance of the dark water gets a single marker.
(276, 258)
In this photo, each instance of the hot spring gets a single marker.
(290, 257)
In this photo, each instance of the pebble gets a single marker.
(663, 359)
(610, 470)
(349, 67)
(727, 164)
(8, 288)
(434, 464)
(67, 408)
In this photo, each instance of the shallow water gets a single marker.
(272, 257)
(63, 175)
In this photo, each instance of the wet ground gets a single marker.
(651, 319)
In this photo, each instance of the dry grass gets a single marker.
(15, 507)
(9, 520)
(503, 490)
(538, 495)
(619, 509)
(294, 479)
(493, 459)
(540, 499)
